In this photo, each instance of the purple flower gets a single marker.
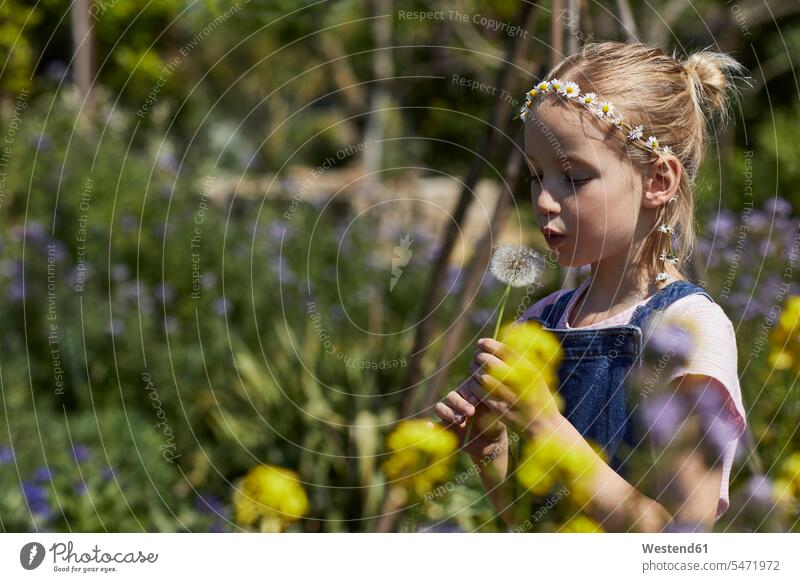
(168, 161)
(279, 230)
(453, 281)
(722, 224)
(443, 527)
(42, 474)
(120, 272)
(662, 415)
(719, 430)
(80, 274)
(221, 306)
(116, 327)
(282, 272)
(759, 220)
(128, 222)
(6, 455)
(779, 206)
(211, 504)
(36, 498)
(81, 453)
(208, 281)
(669, 337)
(79, 487)
(32, 232)
(57, 71)
(16, 291)
(759, 490)
(337, 313)
(165, 292)
(107, 473)
(59, 250)
(42, 142)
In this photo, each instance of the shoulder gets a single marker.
(707, 316)
(713, 354)
(538, 308)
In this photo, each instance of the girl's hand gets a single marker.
(493, 374)
(489, 436)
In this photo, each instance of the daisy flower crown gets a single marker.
(570, 91)
(603, 109)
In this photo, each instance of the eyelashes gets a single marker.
(536, 179)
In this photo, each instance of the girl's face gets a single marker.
(581, 189)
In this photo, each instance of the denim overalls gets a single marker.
(593, 376)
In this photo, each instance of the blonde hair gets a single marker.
(676, 100)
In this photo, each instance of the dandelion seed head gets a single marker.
(516, 266)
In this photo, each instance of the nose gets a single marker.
(545, 203)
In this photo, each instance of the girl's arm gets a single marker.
(609, 498)
(619, 506)
(494, 467)
(488, 445)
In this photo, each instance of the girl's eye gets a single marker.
(535, 178)
(577, 182)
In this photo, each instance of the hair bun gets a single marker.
(711, 76)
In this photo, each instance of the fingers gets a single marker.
(466, 391)
(493, 365)
(496, 389)
(454, 408)
(499, 349)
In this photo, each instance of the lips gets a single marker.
(552, 237)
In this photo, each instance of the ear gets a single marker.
(663, 181)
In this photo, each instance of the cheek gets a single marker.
(604, 222)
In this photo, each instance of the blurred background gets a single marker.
(245, 233)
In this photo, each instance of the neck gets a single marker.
(617, 281)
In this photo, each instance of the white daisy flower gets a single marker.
(556, 85)
(606, 109)
(652, 142)
(667, 150)
(636, 133)
(589, 99)
(617, 121)
(543, 87)
(669, 258)
(570, 90)
(516, 266)
(530, 95)
(524, 113)
(665, 228)
(661, 277)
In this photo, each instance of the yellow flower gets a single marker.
(785, 337)
(790, 470)
(534, 374)
(784, 492)
(547, 460)
(422, 454)
(581, 524)
(272, 493)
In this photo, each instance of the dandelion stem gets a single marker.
(502, 310)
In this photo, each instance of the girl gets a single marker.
(614, 139)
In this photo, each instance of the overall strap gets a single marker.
(552, 313)
(664, 298)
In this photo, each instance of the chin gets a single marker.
(567, 260)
